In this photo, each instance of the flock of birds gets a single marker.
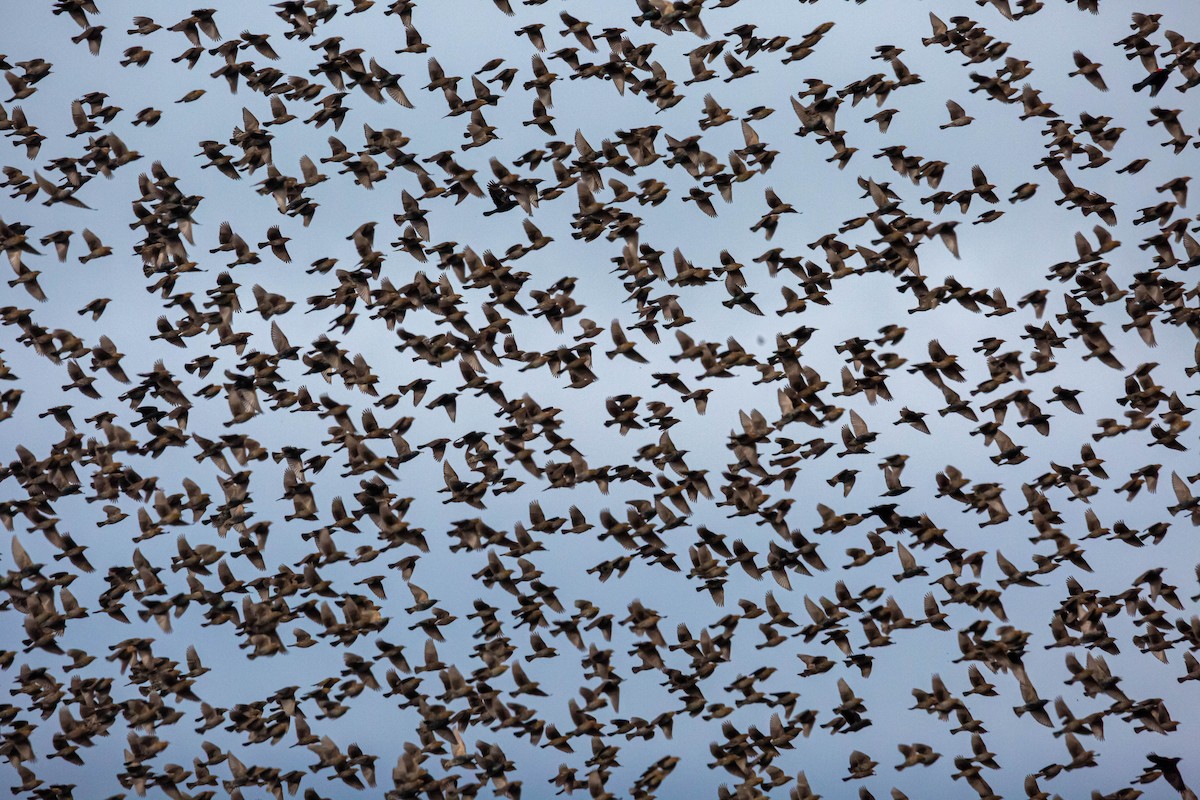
(687, 515)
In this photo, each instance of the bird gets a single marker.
(1089, 69)
(958, 116)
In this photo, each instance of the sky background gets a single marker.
(1013, 254)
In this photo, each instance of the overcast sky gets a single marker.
(1015, 253)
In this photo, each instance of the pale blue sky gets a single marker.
(1013, 254)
